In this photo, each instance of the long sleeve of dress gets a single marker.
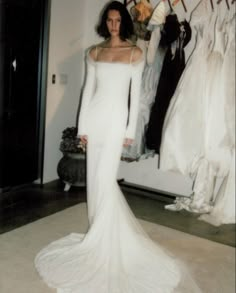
(136, 81)
(153, 45)
(87, 95)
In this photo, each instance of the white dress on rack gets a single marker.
(115, 255)
(152, 69)
(195, 138)
(223, 211)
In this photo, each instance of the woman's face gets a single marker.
(113, 22)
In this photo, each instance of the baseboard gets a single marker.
(145, 191)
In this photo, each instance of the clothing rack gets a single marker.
(127, 2)
(219, 1)
(211, 1)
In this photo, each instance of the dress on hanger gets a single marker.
(115, 255)
(223, 211)
(137, 150)
(154, 59)
(195, 136)
(175, 36)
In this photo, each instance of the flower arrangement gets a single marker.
(70, 142)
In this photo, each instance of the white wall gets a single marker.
(71, 32)
(65, 58)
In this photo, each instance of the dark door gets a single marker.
(21, 27)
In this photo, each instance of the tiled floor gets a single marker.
(30, 203)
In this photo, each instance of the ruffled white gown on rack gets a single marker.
(195, 138)
(223, 211)
(115, 256)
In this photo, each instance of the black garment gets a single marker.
(175, 36)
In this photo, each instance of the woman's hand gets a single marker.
(127, 142)
(84, 139)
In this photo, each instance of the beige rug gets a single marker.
(212, 264)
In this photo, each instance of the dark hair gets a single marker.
(126, 26)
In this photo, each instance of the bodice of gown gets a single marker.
(219, 35)
(200, 14)
(107, 92)
(112, 83)
(201, 21)
(174, 30)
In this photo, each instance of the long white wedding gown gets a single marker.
(115, 255)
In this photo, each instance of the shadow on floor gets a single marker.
(30, 203)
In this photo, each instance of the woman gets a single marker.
(115, 256)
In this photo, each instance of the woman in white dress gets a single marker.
(115, 255)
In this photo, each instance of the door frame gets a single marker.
(42, 82)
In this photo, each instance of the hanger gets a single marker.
(212, 6)
(174, 2)
(171, 9)
(183, 4)
(126, 3)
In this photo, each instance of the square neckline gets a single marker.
(89, 58)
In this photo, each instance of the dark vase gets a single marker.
(71, 169)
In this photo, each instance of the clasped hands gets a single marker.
(127, 141)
